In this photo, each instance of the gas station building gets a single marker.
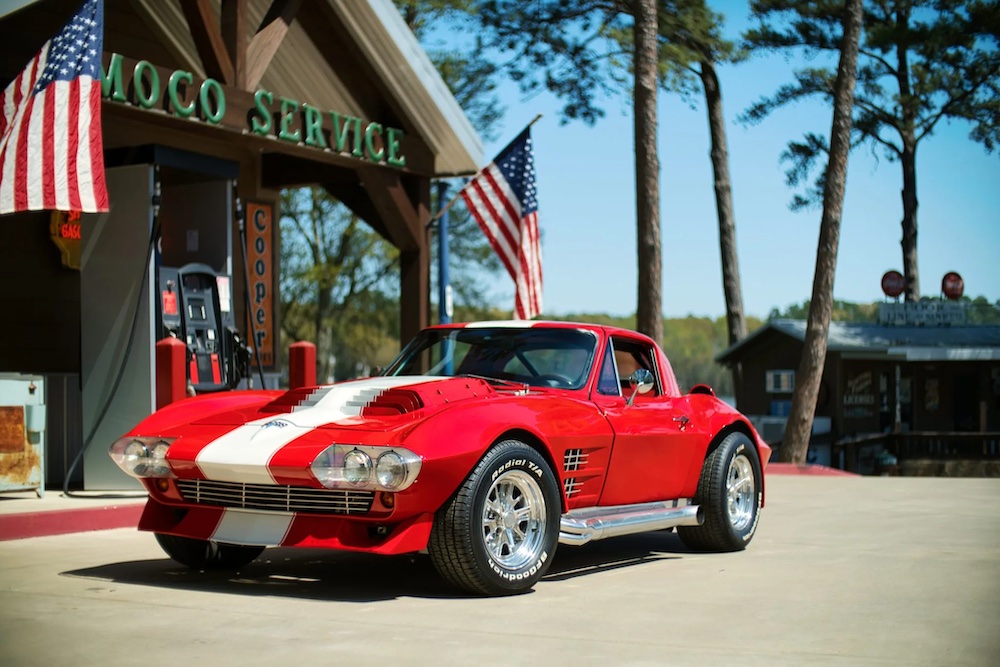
(206, 103)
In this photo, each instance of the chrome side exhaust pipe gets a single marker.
(578, 527)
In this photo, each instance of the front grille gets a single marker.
(276, 498)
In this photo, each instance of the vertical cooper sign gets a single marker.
(260, 256)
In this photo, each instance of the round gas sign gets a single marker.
(953, 286)
(893, 283)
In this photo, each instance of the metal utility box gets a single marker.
(22, 433)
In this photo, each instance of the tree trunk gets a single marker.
(735, 320)
(795, 444)
(649, 317)
(908, 112)
(909, 241)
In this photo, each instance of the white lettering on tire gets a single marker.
(521, 574)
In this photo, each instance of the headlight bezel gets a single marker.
(143, 457)
(328, 467)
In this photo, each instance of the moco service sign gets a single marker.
(179, 94)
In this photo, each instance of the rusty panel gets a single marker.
(12, 440)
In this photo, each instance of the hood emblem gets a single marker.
(277, 423)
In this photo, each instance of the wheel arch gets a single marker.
(534, 441)
(740, 426)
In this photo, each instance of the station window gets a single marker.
(780, 382)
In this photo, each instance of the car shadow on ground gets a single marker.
(320, 574)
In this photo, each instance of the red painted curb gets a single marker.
(60, 522)
(809, 469)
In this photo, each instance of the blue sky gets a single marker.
(586, 183)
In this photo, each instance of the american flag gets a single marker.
(51, 149)
(504, 200)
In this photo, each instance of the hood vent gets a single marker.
(392, 402)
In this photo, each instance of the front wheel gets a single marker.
(498, 533)
(205, 554)
(730, 491)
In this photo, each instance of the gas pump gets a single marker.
(195, 306)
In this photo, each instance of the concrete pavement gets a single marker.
(843, 570)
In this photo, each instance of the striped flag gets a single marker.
(51, 149)
(503, 199)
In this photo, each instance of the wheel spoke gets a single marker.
(513, 519)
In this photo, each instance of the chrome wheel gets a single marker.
(513, 526)
(741, 492)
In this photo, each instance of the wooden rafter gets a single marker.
(234, 35)
(222, 43)
(397, 210)
(208, 40)
(268, 38)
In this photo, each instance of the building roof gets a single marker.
(396, 65)
(903, 343)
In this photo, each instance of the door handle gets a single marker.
(682, 421)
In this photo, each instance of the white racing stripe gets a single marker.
(242, 454)
(265, 529)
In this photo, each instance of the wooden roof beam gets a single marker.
(400, 215)
(208, 40)
(269, 36)
(234, 36)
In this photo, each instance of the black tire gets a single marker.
(498, 533)
(730, 492)
(207, 555)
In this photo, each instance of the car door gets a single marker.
(653, 446)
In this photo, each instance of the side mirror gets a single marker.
(641, 382)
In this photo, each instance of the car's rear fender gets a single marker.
(744, 427)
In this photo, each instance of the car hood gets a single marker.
(283, 436)
(362, 403)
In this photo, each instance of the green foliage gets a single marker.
(471, 75)
(690, 343)
(582, 51)
(843, 311)
(339, 284)
(921, 62)
(981, 311)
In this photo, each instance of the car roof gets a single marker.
(542, 324)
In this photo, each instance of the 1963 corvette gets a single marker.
(485, 445)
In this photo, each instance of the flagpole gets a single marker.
(444, 209)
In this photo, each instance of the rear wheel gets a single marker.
(730, 492)
(205, 554)
(498, 533)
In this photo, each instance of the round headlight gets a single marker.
(136, 457)
(390, 471)
(357, 467)
(159, 465)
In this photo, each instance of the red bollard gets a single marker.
(171, 378)
(301, 365)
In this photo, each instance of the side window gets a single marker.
(630, 356)
(607, 383)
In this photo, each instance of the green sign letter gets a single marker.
(373, 130)
(205, 97)
(146, 98)
(288, 107)
(180, 109)
(111, 80)
(313, 122)
(392, 145)
(261, 121)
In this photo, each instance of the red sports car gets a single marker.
(485, 445)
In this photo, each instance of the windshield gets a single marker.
(538, 357)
